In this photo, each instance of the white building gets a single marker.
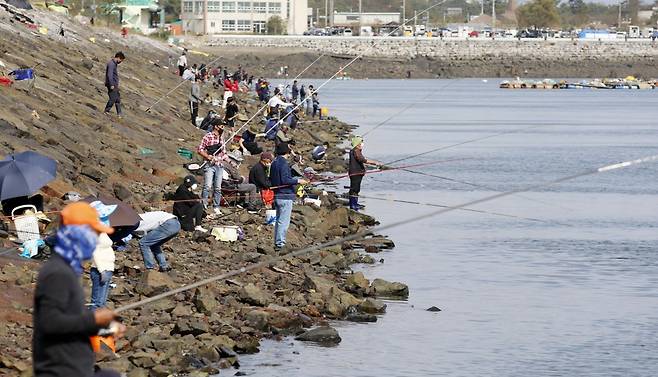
(215, 17)
(349, 19)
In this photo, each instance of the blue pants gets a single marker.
(100, 287)
(151, 243)
(212, 181)
(283, 211)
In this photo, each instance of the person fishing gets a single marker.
(62, 325)
(357, 169)
(213, 150)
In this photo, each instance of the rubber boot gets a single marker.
(353, 204)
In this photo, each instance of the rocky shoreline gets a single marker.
(201, 331)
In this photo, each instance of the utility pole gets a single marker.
(493, 19)
(415, 20)
(619, 16)
(360, 17)
(326, 13)
(482, 8)
(404, 15)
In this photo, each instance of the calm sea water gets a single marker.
(575, 295)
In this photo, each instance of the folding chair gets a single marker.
(27, 224)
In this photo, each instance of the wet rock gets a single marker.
(160, 371)
(339, 301)
(253, 295)
(154, 282)
(372, 306)
(209, 353)
(372, 249)
(323, 334)
(433, 309)
(247, 345)
(219, 341)
(357, 284)
(360, 317)
(204, 301)
(333, 261)
(381, 287)
(258, 319)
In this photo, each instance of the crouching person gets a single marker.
(188, 207)
(157, 228)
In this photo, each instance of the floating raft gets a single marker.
(629, 82)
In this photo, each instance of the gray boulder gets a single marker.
(323, 334)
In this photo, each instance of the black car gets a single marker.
(529, 33)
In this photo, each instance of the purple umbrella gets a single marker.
(24, 173)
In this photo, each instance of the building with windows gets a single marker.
(215, 17)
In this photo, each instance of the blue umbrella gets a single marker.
(24, 173)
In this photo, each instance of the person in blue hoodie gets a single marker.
(284, 186)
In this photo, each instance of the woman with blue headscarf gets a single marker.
(62, 325)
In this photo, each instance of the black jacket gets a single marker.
(259, 177)
(62, 324)
(357, 162)
(184, 200)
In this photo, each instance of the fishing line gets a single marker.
(410, 105)
(464, 209)
(464, 143)
(379, 229)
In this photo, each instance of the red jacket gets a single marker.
(231, 86)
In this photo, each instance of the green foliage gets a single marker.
(539, 14)
(275, 25)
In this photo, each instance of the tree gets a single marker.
(275, 25)
(538, 13)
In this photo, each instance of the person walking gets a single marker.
(187, 205)
(194, 100)
(259, 175)
(157, 228)
(182, 63)
(284, 186)
(213, 150)
(61, 323)
(112, 83)
(356, 170)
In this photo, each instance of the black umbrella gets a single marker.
(123, 215)
(23, 174)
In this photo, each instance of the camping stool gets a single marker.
(27, 225)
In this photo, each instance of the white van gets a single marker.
(347, 32)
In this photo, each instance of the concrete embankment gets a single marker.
(434, 57)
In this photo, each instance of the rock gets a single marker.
(323, 334)
(339, 301)
(209, 353)
(181, 310)
(372, 306)
(24, 278)
(154, 282)
(381, 287)
(160, 371)
(204, 301)
(357, 284)
(93, 173)
(333, 261)
(258, 319)
(433, 309)
(121, 192)
(372, 249)
(253, 295)
(359, 317)
(138, 372)
(247, 345)
(190, 325)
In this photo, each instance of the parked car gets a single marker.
(474, 34)
(529, 33)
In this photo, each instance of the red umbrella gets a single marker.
(123, 215)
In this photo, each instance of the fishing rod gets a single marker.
(464, 209)
(360, 55)
(379, 229)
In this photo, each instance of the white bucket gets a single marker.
(313, 202)
(228, 233)
(270, 216)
